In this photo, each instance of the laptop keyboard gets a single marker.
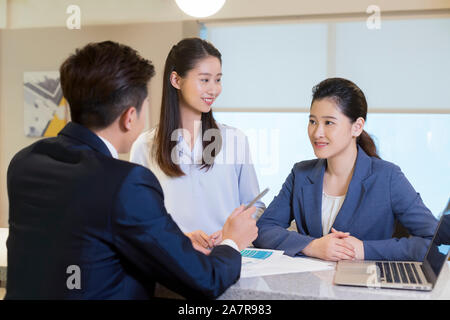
(398, 272)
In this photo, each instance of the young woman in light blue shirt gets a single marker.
(204, 167)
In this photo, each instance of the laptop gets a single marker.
(408, 275)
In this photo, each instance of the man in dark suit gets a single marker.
(85, 225)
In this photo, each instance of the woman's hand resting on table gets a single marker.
(335, 246)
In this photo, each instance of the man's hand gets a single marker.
(241, 227)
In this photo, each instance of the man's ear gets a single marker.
(127, 118)
(175, 80)
(358, 127)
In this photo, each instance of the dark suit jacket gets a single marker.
(72, 204)
(378, 194)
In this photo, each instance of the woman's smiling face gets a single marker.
(201, 85)
(329, 130)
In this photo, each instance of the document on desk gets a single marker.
(269, 262)
(252, 257)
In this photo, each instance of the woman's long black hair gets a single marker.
(182, 58)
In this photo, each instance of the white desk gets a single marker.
(292, 286)
(317, 285)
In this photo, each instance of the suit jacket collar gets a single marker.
(82, 134)
(363, 165)
(312, 195)
(363, 168)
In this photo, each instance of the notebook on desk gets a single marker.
(401, 274)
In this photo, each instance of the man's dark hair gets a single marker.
(101, 80)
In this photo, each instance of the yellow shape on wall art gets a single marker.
(54, 126)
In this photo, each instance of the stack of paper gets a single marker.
(263, 262)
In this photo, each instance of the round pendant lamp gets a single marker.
(200, 8)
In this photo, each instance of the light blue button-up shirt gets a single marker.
(203, 199)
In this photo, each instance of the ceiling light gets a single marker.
(200, 8)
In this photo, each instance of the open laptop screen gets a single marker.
(438, 251)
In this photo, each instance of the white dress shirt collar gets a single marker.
(110, 147)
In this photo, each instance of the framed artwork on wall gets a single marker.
(45, 109)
